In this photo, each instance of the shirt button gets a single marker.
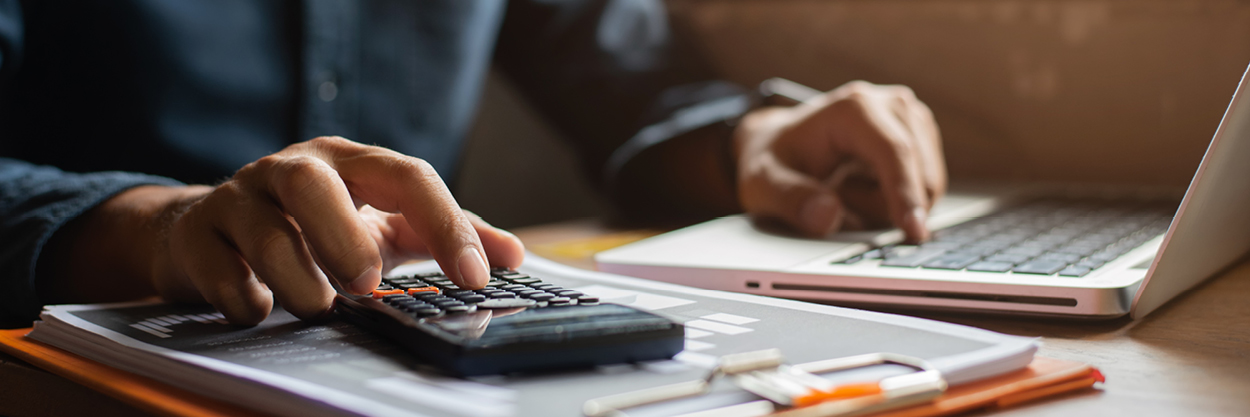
(328, 91)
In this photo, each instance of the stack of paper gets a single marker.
(284, 366)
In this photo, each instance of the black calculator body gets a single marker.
(518, 323)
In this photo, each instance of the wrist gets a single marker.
(112, 252)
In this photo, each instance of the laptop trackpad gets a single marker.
(730, 242)
(735, 243)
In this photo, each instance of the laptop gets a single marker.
(1044, 250)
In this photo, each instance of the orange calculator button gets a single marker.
(415, 291)
(383, 293)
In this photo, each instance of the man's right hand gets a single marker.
(284, 227)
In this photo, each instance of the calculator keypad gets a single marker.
(433, 294)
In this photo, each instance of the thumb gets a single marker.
(774, 190)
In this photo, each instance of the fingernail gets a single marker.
(366, 282)
(473, 269)
(914, 222)
(817, 214)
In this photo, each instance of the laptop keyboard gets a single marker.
(1067, 238)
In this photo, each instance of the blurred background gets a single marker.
(1102, 91)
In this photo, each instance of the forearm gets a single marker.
(36, 202)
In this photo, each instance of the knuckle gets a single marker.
(903, 91)
(924, 111)
(259, 167)
(853, 103)
(331, 142)
(322, 145)
(300, 174)
(411, 168)
(858, 86)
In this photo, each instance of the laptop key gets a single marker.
(913, 259)
(1066, 258)
(1089, 263)
(977, 251)
(991, 266)
(1011, 258)
(952, 261)
(872, 254)
(1025, 251)
(1104, 256)
(1040, 267)
(939, 245)
(1074, 271)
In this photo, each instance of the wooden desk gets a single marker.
(1191, 357)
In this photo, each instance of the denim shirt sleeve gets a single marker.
(36, 201)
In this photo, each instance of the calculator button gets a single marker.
(456, 309)
(511, 287)
(419, 290)
(412, 308)
(475, 298)
(559, 301)
(569, 293)
(384, 287)
(587, 300)
(448, 303)
(542, 296)
(457, 293)
(428, 311)
(382, 293)
(502, 294)
(393, 297)
(527, 280)
(506, 303)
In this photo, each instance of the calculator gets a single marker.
(517, 323)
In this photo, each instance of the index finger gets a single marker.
(397, 183)
(877, 137)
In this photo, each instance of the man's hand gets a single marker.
(286, 226)
(847, 158)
